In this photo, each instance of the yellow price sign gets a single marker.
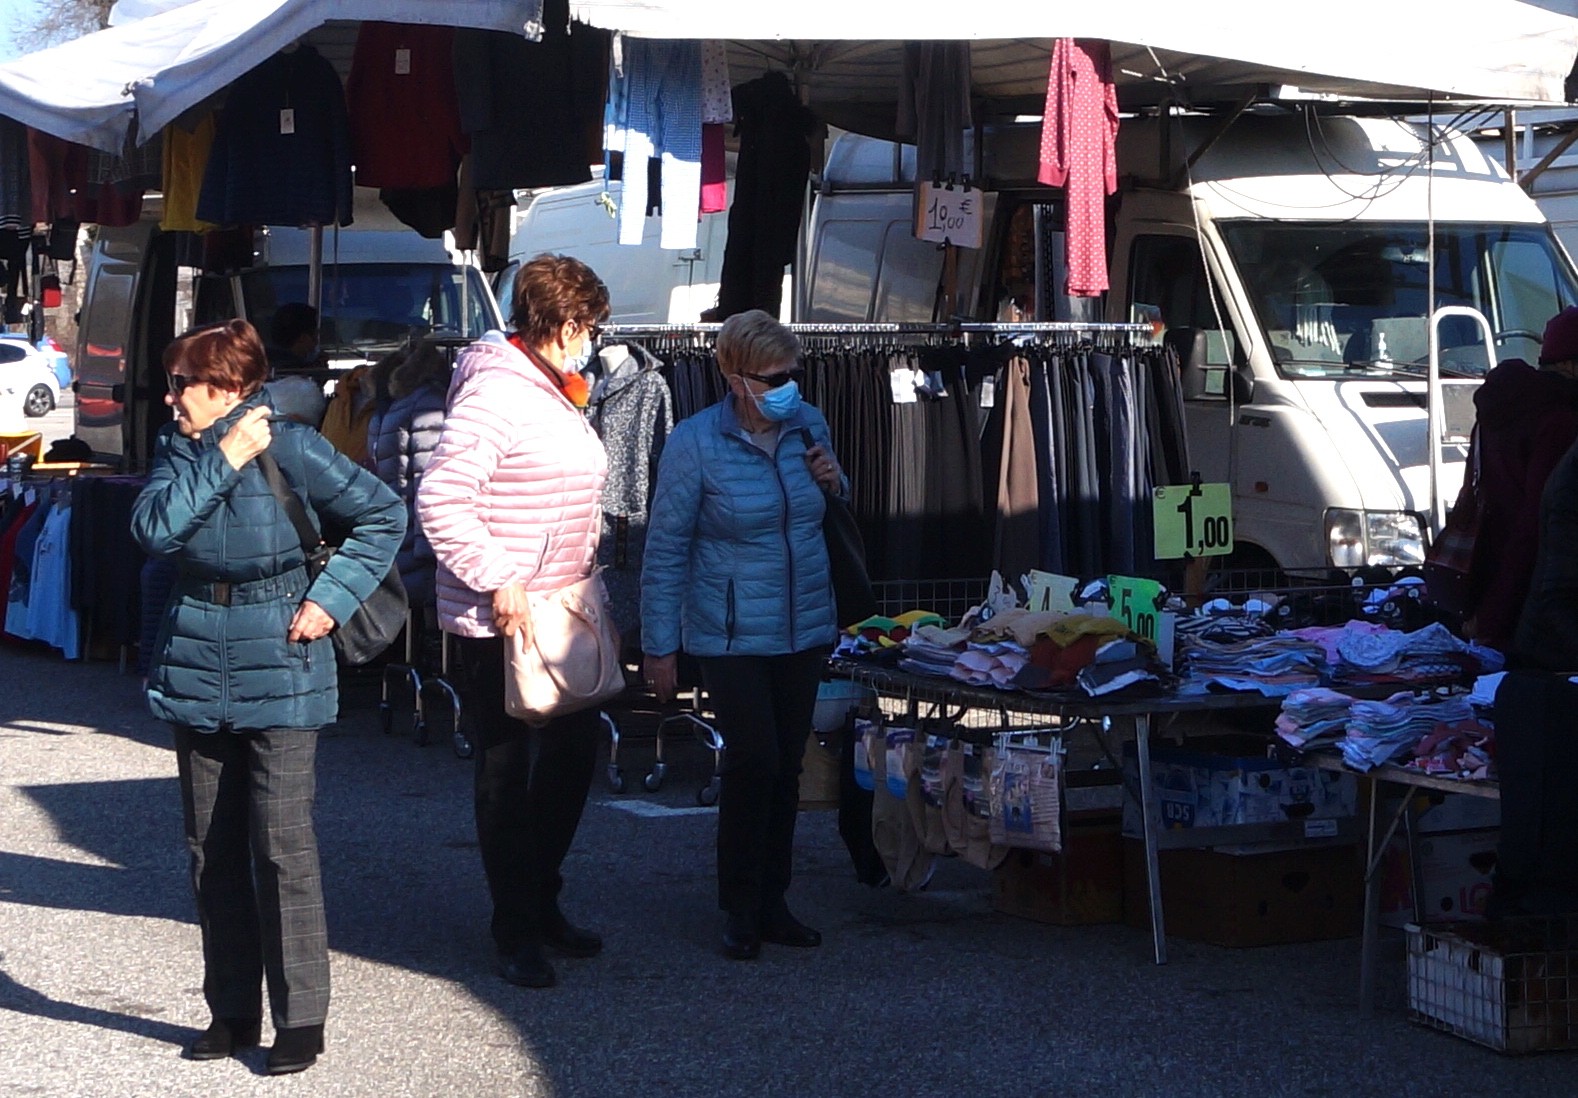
(1049, 591)
(1192, 520)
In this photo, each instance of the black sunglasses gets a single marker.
(179, 383)
(774, 381)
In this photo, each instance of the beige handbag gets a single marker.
(569, 658)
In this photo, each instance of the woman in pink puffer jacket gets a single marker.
(511, 504)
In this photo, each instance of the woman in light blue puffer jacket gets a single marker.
(736, 573)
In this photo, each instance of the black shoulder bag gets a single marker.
(378, 621)
(846, 556)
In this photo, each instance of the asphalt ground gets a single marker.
(930, 993)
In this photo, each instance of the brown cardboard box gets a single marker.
(1081, 885)
(1305, 894)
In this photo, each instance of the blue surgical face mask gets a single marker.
(574, 364)
(780, 403)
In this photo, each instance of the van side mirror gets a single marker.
(1200, 378)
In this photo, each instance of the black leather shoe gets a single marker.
(782, 928)
(223, 1036)
(528, 968)
(741, 939)
(295, 1049)
(570, 940)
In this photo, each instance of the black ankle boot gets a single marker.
(742, 940)
(529, 968)
(569, 939)
(781, 928)
(223, 1036)
(295, 1049)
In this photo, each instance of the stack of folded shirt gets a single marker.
(1316, 717)
(925, 658)
(1464, 748)
(990, 665)
(1431, 654)
(1275, 665)
(1379, 731)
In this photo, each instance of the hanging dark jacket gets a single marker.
(1548, 629)
(259, 175)
(1526, 419)
(229, 666)
(401, 438)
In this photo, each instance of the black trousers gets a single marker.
(247, 802)
(763, 705)
(531, 785)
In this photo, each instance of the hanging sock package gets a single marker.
(868, 733)
(1023, 793)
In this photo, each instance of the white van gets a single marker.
(1304, 352)
(646, 284)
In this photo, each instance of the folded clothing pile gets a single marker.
(1316, 717)
(880, 632)
(1431, 654)
(1464, 748)
(1275, 665)
(1380, 731)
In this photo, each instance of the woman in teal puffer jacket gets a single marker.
(244, 671)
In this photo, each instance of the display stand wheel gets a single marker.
(419, 732)
(654, 781)
(462, 746)
(707, 795)
(386, 718)
(616, 779)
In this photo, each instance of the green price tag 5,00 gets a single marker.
(1192, 520)
(1134, 603)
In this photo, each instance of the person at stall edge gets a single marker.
(245, 673)
(736, 573)
(511, 505)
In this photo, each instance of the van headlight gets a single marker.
(1384, 539)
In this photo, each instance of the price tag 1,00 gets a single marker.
(1134, 603)
(1193, 520)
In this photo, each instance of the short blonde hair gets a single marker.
(754, 341)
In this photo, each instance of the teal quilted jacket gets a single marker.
(229, 667)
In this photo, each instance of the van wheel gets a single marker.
(39, 401)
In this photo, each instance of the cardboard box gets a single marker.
(1079, 886)
(1456, 870)
(1221, 783)
(1440, 812)
(1252, 897)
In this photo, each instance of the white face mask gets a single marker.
(574, 364)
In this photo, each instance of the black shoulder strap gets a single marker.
(289, 502)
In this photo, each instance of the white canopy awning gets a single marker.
(157, 66)
(1487, 50)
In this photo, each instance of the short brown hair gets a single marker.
(227, 356)
(753, 341)
(551, 290)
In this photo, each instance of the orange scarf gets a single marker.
(573, 386)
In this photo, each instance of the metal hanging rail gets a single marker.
(979, 328)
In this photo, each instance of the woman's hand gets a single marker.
(824, 470)
(511, 610)
(310, 623)
(662, 675)
(248, 438)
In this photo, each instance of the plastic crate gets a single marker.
(1511, 985)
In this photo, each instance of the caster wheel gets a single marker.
(707, 795)
(419, 733)
(386, 718)
(616, 780)
(654, 781)
(462, 746)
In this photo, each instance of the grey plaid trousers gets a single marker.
(247, 802)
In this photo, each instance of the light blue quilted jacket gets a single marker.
(736, 564)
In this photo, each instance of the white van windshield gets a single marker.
(1350, 297)
(375, 305)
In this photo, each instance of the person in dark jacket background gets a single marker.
(1525, 420)
(736, 573)
(412, 386)
(244, 671)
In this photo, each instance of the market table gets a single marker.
(1074, 711)
(1376, 851)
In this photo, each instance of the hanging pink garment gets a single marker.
(714, 184)
(1079, 133)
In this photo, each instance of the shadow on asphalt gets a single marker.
(24, 1000)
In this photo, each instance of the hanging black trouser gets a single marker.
(1537, 762)
(763, 705)
(531, 785)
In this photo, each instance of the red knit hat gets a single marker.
(1561, 337)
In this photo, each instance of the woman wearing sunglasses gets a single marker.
(736, 574)
(244, 671)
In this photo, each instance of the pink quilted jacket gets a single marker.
(514, 490)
